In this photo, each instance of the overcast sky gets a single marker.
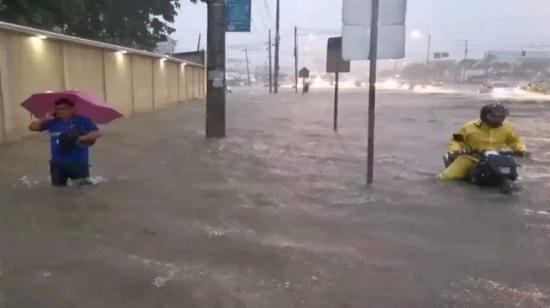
(487, 24)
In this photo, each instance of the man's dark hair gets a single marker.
(64, 102)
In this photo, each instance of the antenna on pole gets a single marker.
(199, 42)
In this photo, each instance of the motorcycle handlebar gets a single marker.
(506, 153)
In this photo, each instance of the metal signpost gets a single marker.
(373, 30)
(372, 88)
(336, 64)
(440, 56)
(303, 73)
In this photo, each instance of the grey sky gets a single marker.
(488, 24)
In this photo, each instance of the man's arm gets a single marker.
(93, 133)
(515, 142)
(457, 143)
(40, 124)
(90, 138)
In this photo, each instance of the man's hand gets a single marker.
(90, 138)
(49, 116)
(37, 126)
(523, 154)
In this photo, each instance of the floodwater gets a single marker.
(277, 214)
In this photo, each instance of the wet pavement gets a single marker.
(277, 214)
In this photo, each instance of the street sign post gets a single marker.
(372, 30)
(336, 64)
(440, 56)
(304, 73)
(335, 61)
(373, 56)
(238, 15)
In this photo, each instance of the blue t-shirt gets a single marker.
(79, 155)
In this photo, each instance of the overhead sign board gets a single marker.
(335, 62)
(357, 16)
(238, 14)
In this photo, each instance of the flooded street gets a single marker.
(277, 214)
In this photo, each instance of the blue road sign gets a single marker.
(238, 14)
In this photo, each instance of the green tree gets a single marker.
(132, 23)
(46, 14)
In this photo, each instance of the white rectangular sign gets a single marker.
(359, 12)
(357, 15)
(356, 42)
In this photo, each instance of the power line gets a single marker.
(248, 46)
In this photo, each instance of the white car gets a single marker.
(495, 86)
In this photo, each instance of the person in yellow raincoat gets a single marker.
(491, 132)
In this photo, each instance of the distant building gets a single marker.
(167, 47)
(510, 64)
(198, 57)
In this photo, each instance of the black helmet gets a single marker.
(494, 115)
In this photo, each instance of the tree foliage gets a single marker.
(132, 23)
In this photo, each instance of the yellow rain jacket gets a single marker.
(478, 136)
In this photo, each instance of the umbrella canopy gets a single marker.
(85, 105)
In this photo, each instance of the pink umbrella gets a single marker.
(86, 105)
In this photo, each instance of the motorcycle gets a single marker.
(493, 169)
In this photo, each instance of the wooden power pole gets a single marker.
(199, 42)
(215, 95)
(296, 59)
(270, 68)
(247, 67)
(277, 42)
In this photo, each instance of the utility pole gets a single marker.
(428, 57)
(270, 68)
(277, 42)
(372, 88)
(295, 59)
(464, 64)
(247, 68)
(215, 94)
(199, 42)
